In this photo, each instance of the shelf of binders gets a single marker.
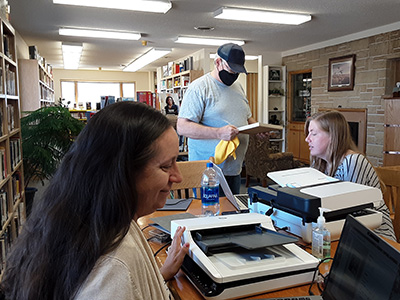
(12, 203)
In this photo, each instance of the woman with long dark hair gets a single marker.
(81, 240)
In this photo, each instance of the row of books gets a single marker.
(11, 117)
(6, 238)
(15, 152)
(5, 245)
(34, 54)
(16, 186)
(1, 122)
(5, 204)
(3, 163)
(147, 97)
(177, 67)
(46, 79)
(4, 209)
(6, 45)
(10, 81)
(46, 94)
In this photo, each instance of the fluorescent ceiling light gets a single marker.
(104, 34)
(158, 6)
(246, 57)
(206, 41)
(150, 56)
(264, 16)
(71, 55)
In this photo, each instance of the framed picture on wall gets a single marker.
(274, 74)
(341, 73)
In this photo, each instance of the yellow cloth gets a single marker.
(224, 149)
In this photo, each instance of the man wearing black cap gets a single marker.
(213, 106)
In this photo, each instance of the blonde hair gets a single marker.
(335, 124)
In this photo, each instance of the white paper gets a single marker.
(300, 177)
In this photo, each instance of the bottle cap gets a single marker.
(209, 165)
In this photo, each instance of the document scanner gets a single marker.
(232, 256)
(296, 208)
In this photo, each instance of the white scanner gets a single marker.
(232, 256)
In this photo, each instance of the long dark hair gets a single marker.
(88, 207)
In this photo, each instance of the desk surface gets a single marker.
(183, 286)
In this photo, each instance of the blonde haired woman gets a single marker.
(334, 153)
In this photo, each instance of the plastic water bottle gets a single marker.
(210, 192)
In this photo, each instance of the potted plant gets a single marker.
(47, 134)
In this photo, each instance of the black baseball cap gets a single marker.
(233, 54)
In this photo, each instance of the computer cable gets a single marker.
(145, 227)
(315, 273)
(162, 247)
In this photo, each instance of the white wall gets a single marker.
(22, 47)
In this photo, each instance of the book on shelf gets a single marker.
(16, 186)
(15, 151)
(1, 120)
(3, 163)
(10, 114)
(3, 207)
(2, 253)
(146, 97)
(258, 128)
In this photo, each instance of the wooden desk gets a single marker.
(186, 290)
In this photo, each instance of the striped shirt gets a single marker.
(356, 168)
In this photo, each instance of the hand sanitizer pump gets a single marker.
(321, 237)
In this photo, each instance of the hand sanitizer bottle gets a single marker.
(321, 238)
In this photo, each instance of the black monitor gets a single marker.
(365, 266)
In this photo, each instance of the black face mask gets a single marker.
(228, 78)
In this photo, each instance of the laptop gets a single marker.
(239, 201)
(365, 267)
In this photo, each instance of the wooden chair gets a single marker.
(390, 176)
(192, 172)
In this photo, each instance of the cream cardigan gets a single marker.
(128, 272)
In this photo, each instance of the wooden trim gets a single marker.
(252, 93)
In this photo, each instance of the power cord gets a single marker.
(162, 247)
(319, 274)
(145, 227)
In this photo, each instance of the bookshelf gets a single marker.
(274, 111)
(82, 114)
(178, 83)
(36, 85)
(12, 203)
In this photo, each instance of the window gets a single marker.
(68, 92)
(128, 90)
(79, 93)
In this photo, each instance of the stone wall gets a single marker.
(371, 72)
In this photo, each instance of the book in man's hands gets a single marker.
(258, 127)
